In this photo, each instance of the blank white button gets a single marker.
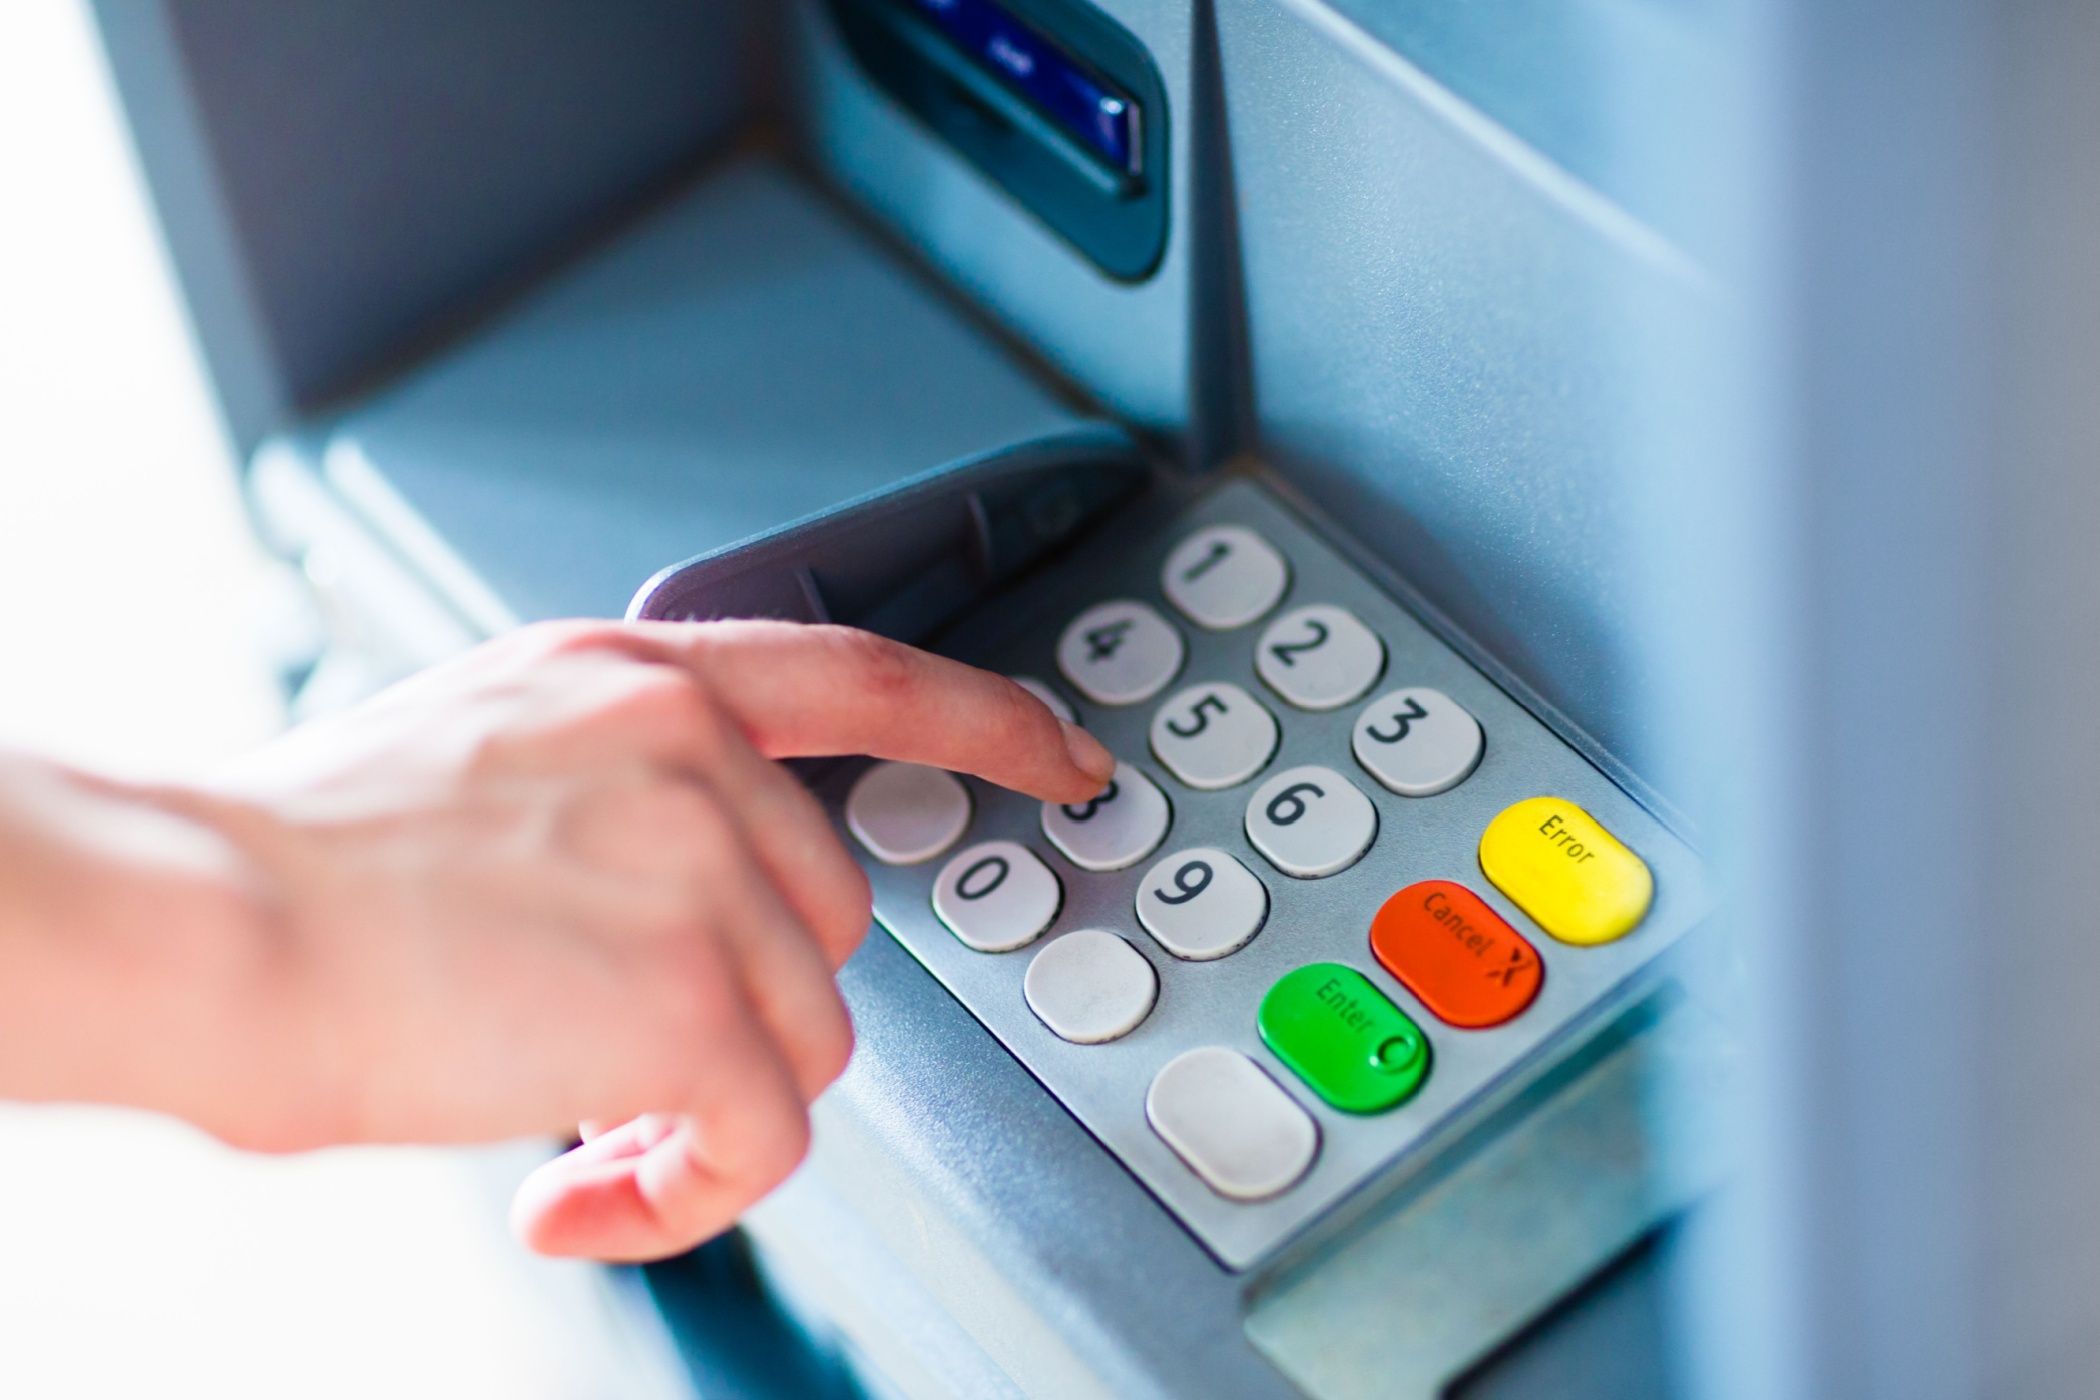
(1058, 705)
(997, 896)
(1120, 653)
(1201, 904)
(1231, 1123)
(1224, 576)
(1311, 821)
(1319, 657)
(1213, 735)
(904, 813)
(1090, 986)
(1121, 827)
(1418, 742)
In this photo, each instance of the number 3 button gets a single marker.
(1310, 822)
(1418, 742)
(1201, 904)
(1213, 735)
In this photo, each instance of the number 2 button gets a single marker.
(1119, 653)
(1319, 657)
(1310, 822)
(1213, 735)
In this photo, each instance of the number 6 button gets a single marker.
(1310, 822)
(1214, 735)
(1417, 742)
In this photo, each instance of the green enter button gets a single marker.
(1343, 1037)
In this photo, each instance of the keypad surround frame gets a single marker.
(1104, 1085)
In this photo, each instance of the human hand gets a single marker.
(557, 880)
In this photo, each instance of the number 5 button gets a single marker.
(1311, 821)
(1417, 742)
(1213, 735)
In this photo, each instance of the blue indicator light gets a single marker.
(1094, 113)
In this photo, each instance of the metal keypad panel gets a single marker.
(1238, 1037)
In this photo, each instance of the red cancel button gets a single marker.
(1456, 955)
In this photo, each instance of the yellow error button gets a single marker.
(1575, 878)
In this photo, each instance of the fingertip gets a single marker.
(1089, 755)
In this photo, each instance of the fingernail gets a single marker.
(1086, 751)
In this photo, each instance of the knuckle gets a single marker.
(876, 664)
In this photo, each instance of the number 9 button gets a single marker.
(1201, 904)
(997, 896)
(1311, 821)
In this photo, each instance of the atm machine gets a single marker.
(1341, 407)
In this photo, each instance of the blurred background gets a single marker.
(136, 1256)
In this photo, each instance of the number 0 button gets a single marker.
(1417, 742)
(1319, 657)
(1121, 827)
(1311, 822)
(1120, 653)
(1213, 735)
(1201, 904)
(997, 896)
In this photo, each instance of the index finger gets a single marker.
(803, 690)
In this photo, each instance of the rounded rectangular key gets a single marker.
(1319, 657)
(1201, 904)
(1121, 827)
(1560, 866)
(1224, 576)
(1089, 986)
(1231, 1123)
(1344, 1038)
(1310, 822)
(905, 813)
(1057, 704)
(1213, 735)
(997, 896)
(1460, 958)
(1120, 652)
(1417, 742)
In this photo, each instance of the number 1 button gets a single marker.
(1311, 821)
(1224, 576)
(1120, 653)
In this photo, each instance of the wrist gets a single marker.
(143, 963)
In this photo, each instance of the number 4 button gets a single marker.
(1418, 742)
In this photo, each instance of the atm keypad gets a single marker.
(1314, 919)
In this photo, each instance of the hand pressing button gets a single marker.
(1121, 827)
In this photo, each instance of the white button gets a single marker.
(1319, 657)
(1090, 986)
(1121, 827)
(1120, 653)
(1224, 576)
(1418, 742)
(1310, 822)
(997, 896)
(1201, 904)
(1213, 735)
(1057, 704)
(1231, 1123)
(904, 813)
